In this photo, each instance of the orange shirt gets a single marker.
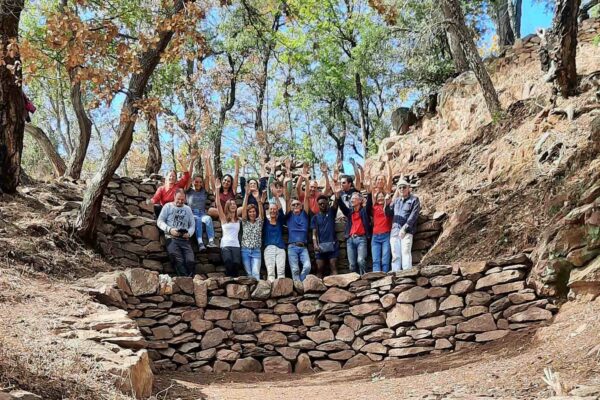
(357, 225)
(312, 202)
(164, 196)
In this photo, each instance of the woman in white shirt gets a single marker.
(230, 243)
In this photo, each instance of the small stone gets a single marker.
(341, 280)
(142, 281)
(410, 351)
(388, 301)
(478, 299)
(481, 323)
(277, 364)
(520, 298)
(444, 331)
(282, 287)
(213, 338)
(242, 315)
(337, 295)
(443, 344)
(382, 282)
(508, 287)
(413, 295)
(474, 311)
(328, 365)
(271, 337)
(379, 335)
(162, 332)
(247, 364)
(437, 292)
(223, 302)
(303, 364)
(362, 310)
(236, 291)
(221, 366)
(462, 287)
(309, 306)
(432, 322)
(312, 284)
(321, 336)
(417, 334)
(200, 292)
(452, 301)
(472, 269)
(289, 353)
(227, 355)
(342, 355)
(444, 280)
(435, 270)
(345, 333)
(491, 335)
(375, 348)
(206, 355)
(398, 342)
(303, 344)
(357, 361)
(531, 314)
(426, 308)
(498, 278)
(353, 322)
(401, 314)
(216, 315)
(262, 290)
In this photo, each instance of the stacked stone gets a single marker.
(225, 324)
(131, 238)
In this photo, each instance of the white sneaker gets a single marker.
(201, 246)
(211, 243)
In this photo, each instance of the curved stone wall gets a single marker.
(128, 232)
(224, 324)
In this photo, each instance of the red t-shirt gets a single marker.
(312, 202)
(381, 222)
(357, 225)
(164, 196)
(225, 197)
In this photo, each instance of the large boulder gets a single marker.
(141, 281)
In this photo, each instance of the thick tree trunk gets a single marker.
(12, 104)
(85, 128)
(364, 118)
(501, 17)
(47, 146)
(225, 107)
(458, 55)
(562, 47)
(92, 199)
(515, 12)
(456, 23)
(154, 161)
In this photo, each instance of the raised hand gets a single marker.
(324, 168)
(217, 184)
(263, 197)
(305, 169)
(288, 164)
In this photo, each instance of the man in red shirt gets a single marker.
(358, 231)
(166, 193)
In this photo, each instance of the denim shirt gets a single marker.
(364, 216)
(405, 213)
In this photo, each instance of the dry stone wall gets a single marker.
(224, 324)
(128, 232)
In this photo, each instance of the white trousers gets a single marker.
(401, 252)
(274, 257)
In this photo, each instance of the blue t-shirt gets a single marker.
(297, 227)
(273, 234)
(196, 199)
(325, 225)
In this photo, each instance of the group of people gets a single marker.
(384, 218)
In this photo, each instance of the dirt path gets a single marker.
(510, 368)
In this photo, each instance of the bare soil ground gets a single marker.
(511, 368)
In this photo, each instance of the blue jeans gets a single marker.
(382, 252)
(357, 253)
(251, 258)
(201, 218)
(298, 255)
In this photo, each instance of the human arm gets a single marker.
(156, 199)
(315, 236)
(245, 204)
(306, 205)
(161, 222)
(218, 201)
(389, 207)
(357, 178)
(343, 208)
(287, 194)
(236, 176)
(299, 189)
(261, 206)
(325, 171)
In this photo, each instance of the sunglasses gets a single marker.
(296, 204)
(403, 187)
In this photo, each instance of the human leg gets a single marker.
(333, 266)
(351, 248)
(188, 257)
(305, 261)
(406, 248)
(157, 210)
(210, 229)
(237, 261)
(386, 253)
(280, 261)
(396, 248)
(247, 260)
(320, 268)
(176, 257)
(270, 259)
(227, 255)
(256, 263)
(294, 260)
(198, 234)
(376, 247)
(362, 254)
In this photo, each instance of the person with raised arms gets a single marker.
(166, 193)
(196, 197)
(298, 224)
(230, 225)
(252, 222)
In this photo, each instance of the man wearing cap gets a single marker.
(404, 209)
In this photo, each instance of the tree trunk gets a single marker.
(225, 107)
(515, 12)
(12, 104)
(458, 55)
(48, 147)
(364, 125)
(501, 17)
(562, 47)
(154, 161)
(456, 23)
(92, 199)
(85, 128)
